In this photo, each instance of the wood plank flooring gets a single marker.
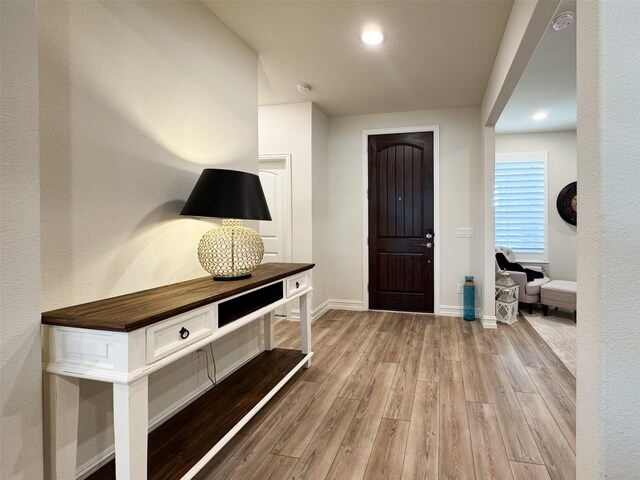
(407, 397)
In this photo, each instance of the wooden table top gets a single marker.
(140, 309)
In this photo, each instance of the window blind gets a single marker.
(520, 219)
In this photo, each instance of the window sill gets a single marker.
(532, 262)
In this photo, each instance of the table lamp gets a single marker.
(232, 251)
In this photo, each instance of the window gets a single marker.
(520, 201)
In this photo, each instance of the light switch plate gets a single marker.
(466, 232)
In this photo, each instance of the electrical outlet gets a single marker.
(466, 232)
(460, 288)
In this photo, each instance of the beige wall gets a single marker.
(136, 99)
(460, 196)
(20, 367)
(562, 169)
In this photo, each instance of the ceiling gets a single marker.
(436, 54)
(548, 84)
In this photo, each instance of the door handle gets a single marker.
(428, 245)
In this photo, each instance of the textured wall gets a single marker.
(136, 99)
(608, 416)
(20, 367)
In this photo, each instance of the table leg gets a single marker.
(131, 423)
(269, 333)
(62, 437)
(305, 326)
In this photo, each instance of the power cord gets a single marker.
(213, 360)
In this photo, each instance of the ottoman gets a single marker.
(558, 293)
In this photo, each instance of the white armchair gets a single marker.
(529, 292)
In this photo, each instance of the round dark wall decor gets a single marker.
(567, 203)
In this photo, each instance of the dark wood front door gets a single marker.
(401, 237)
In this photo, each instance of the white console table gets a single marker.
(122, 340)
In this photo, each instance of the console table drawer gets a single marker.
(179, 332)
(297, 284)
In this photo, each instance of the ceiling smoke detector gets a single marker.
(303, 87)
(562, 21)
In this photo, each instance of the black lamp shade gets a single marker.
(227, 194)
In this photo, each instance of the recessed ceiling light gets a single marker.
(562, 21)
(540, 115)
(372, 37)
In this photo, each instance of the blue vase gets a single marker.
(469, 312)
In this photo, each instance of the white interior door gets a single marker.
(272, 179)
(274, 172)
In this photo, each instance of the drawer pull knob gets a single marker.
(184, 333)
(297, 284)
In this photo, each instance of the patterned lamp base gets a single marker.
(230, 252)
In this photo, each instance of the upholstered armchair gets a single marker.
(529, 292)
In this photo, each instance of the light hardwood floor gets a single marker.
(403, 396)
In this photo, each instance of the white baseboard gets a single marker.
(330, 304)
(95, 463)
(489, 321)
(107, 455)
(338, 304)
(456, 311)
(450, 311)
(320, 310)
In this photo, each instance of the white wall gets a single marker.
(527, 23)
(460, 196)
(608, 415)
(301, 129)
(136, 99)
(320, 205)
(562, 169)
(20, 367)
(486, 261)
(287, 129)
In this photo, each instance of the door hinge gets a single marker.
(367, 287)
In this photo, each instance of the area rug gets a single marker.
(558, 330)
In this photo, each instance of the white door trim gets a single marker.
(288, 230)
(436, 206)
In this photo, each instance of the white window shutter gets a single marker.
(520, 205)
